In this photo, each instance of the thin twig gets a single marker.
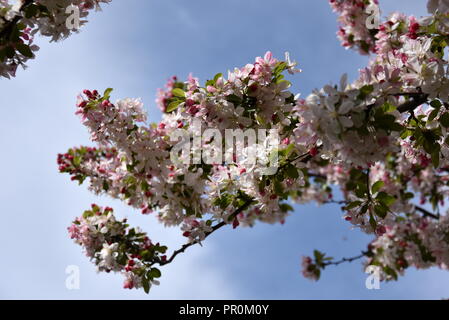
(336, 263)
(336, 202)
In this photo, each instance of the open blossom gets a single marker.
(108, 257)
(195, 230)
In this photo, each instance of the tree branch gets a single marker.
(427, 213)
(343, 260)
(412, 104)
(214, 228)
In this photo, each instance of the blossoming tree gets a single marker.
(379, 147)
(20, 20)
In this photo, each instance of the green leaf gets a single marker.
(292, 171)
(436, 104)
(380, 211)
(10, 52)
(155, 273)
(409, 195)
(31, 11)
(285, 207)
(146, 285)
(21, 26)
(436, 158)
(122, 259)
(288, 83)
(224, 201)
(177, 92)
(364, 209)
(217, 76)
(107, 93)
(280, 67)
(365, 91)
(236, 100)
(289, 149)
(406, 133)
(14, 35)
(391, 272)
(25, 50)
(385, 199)
(278, 188)
(353, 205)
(372, 222)
(376, 187)
(259, 119)
(428, 145)
(173, 106)
(76, 161)
(433, 115)
(319, 256)
(388, 107)
(444, 119)
(2, 55)
(387, 122)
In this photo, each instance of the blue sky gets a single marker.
(134, 46)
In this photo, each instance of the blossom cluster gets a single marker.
(396, 113)
(416, 242)
(132, 160)
(140, 170)
(21, 21)
(353, 17)
(380, 143)
(113, 246)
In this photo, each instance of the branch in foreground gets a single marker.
(214, 228)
